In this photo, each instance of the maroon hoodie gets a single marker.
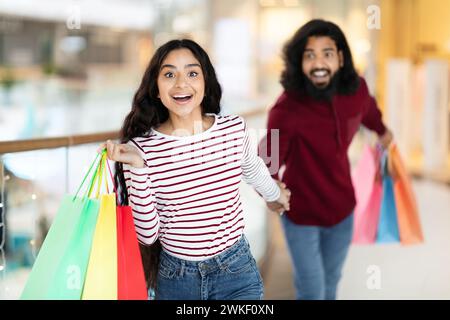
(313, 142)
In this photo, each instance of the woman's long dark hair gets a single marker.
(147, 111)
(293, 78)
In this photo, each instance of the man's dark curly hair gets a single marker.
(293, 78)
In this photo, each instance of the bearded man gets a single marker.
(322, 107)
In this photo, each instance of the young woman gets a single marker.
(179, 167)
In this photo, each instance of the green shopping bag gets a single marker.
(60, 267)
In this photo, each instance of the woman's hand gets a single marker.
(124, 153)
(282, 204)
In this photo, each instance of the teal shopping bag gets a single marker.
(387, 225)
(60, 267)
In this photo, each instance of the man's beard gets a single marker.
(322, 94)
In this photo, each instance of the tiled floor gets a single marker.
(277, 274)
(415, 272)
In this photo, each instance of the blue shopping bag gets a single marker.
(387, 225)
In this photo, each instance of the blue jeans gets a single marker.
(230, 275)
(318, 255)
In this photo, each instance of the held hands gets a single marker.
(124, 153)
(282, 204)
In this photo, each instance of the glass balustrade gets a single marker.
(32, 185)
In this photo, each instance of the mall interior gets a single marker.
(69, 70)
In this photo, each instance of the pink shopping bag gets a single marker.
(368, 193)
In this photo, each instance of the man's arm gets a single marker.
(274, 147)
(372, 119)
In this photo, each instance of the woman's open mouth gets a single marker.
(182, 98)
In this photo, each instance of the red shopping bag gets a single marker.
(131, 284)
(368, 193)
(131, 281)
(407, 213)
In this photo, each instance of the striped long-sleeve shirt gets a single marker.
(187, 195)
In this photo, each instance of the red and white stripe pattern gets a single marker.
(188, 193)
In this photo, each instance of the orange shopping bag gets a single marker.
(407, 212)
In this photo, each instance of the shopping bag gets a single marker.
(42, 282)
(101, 276)
(131, 279)
(407, 212)
(115, 268)
(368, 198)
(131, 284)
(59, 269)
(72, 269)
(387, 226)
(366, 232)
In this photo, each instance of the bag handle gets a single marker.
(392, 167)
(384, 163)
(87, 174)
(112, 177)
(104, 165)
(387, 166)
(99, 175)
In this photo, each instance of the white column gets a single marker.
(398, 102)
(436, 115)
(234, 29)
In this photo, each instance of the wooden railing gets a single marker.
(68, 141)
(56, 142)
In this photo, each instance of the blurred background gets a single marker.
(69, 69)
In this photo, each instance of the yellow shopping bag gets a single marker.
(101, 275)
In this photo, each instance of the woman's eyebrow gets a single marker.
(171, 66)
(192, 65)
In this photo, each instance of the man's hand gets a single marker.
(282, 204)
(386, 139)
